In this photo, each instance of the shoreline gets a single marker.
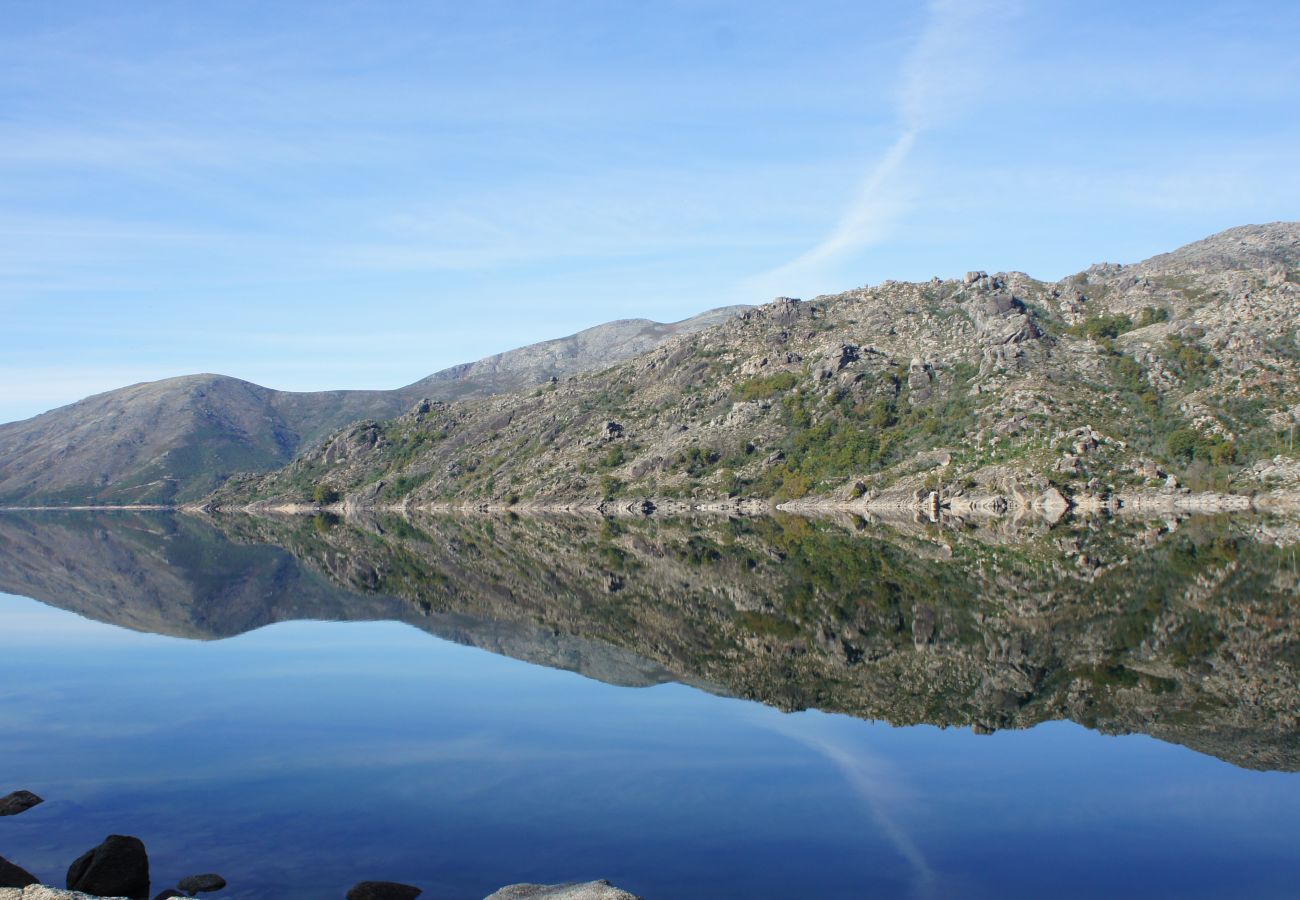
(1050, 505)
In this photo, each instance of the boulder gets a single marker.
(785, 309)
(383, 890)
(12, 876)
(119, 867)
(18, 802)
(202, 884)
(589, 890)
(169, 894)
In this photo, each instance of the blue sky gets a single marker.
(357, 194)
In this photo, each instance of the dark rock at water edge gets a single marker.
(18, 802)
(383, 890)
(12, 876)
(119, 867)
(169, 894)
(202, 884)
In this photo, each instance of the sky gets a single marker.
(315, 196)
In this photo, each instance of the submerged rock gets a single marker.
(202, 884)
(588, 890)
(18, 802)
(12, 876)
(383, 890)
(119, 867)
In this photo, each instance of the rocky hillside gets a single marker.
(178, 439)
(1183, 370)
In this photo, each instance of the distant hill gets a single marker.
(178, 439)
(1183, 370)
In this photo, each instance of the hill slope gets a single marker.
(178, 439)
(1185, 365)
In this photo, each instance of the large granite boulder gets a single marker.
(119, 867)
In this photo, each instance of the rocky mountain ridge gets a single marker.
(1183, 370)
(177, 439)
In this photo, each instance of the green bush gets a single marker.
(325, 495)
(764, 387)
(1107, 327)
(1151, 315)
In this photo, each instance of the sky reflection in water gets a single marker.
(301, 758)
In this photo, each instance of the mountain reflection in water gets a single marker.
(1185, 631)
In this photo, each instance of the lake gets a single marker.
(770, 707)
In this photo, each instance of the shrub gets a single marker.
(1151, 315)
(325, 495)
(764, 387)
(1102, 327)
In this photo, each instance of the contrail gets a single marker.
(941, 72)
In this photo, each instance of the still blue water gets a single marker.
(304, 757)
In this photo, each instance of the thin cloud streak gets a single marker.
(942, 74)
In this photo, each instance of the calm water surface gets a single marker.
(300, 757)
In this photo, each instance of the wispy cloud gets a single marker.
(942, 73)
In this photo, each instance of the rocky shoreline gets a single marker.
(1049, 503)
(118, 869)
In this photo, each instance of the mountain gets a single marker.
(177, 439)
(1123, 380)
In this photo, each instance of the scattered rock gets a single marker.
(202, 884)
(383, 890)
(18, 802)
(119, 867)
(12, 876)
(590, 890)
(972, 277)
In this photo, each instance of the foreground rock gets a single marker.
(119, 867)
(18, 802)
(202, 884)
(589, 890)
(12, 876)
(383, 890)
